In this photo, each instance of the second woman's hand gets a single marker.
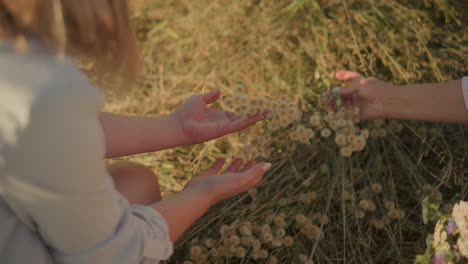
(368, 94)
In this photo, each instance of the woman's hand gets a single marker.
(200, 123)
(200, 193)
(232, 181)
(368, 94)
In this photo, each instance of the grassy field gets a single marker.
(316, 204)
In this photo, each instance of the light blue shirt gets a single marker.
(58, 203)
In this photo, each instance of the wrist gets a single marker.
(177, 127)
(206, 191)
(392, 102)
(180, 127)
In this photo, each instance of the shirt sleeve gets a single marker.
(465, 90)
(57, 183)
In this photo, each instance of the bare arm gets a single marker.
(128, 135)
(182, 209)
(192, 122)
(438, 102)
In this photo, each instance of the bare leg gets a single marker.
(136, 182)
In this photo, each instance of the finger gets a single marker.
(211, 97)
(351, 87)
(344, 75)
(248, 165)
(235, 165)
(214, 169)
(253, 175)
(242, 124)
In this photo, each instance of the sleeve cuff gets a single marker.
(157, 244)
(465, 90)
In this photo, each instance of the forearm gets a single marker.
(182, 209)
(429, 102)
(128, 135)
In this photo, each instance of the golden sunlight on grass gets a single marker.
(340, 191)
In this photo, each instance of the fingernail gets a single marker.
(267, 166)
(336, 90)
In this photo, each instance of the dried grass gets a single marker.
(288, 49)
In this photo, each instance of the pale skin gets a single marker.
(438, 102)
(191, 123)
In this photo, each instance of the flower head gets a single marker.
(389, 205)
(209, 243)
(267, 237)
(359, 214)
(325, 133)
(288, 241)
(264, 254)
(340, 139)
(376, 187)
(302, 257)
(314, 120)
(346, 152)
(276, 242)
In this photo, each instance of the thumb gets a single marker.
(211, 97)
(344, 75)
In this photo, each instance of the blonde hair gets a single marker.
(96, 29)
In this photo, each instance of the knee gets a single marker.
(135, 181)
(130, 169)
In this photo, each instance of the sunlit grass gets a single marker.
(288, 50)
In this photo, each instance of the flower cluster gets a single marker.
(307, 198)
(449, 242)
(367, 205)
(258, 241)
(309, 226)
(237, 240)
(304, 259)
(460, 226)
(342, 125)
(396, 214)
(433, 194)
(302, 134)
(282, 113)
(244, 144)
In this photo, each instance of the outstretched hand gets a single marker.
(368, 94)
(233, 180)
(200, 123)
